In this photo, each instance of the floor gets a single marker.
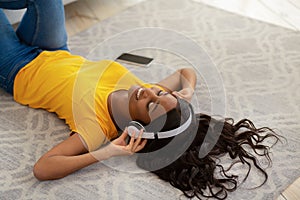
(82, 14)
(285, 13)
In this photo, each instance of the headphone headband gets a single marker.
(135, 127)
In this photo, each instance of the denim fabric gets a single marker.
(42, 28)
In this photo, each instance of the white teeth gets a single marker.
(138, 94)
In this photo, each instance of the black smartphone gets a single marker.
(135, 59)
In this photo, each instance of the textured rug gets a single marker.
(247, 69)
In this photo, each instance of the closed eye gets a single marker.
(161, 93)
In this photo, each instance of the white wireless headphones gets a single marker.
(135, 127)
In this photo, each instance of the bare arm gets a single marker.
(71, 155)
(63, 159)
(181, 83)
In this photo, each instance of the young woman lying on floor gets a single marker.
(100, 99)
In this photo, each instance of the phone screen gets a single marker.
(135, 59)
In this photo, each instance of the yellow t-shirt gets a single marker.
(76, 90)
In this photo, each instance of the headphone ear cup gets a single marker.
(134, 127)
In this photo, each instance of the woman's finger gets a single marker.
(131, 142)
(177, 94)
(125, 133)
(138, 140)
(141, 146)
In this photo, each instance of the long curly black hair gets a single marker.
(181, 160)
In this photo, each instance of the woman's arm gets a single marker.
(181, 83)
(63, 159)
(71, 155)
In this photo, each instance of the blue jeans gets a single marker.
(42, 28)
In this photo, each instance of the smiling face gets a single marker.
(147, 104)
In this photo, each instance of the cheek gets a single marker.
(132, 111)
(139, 112)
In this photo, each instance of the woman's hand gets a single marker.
(135, 145)
(185, 93)
(119, 147)
(183, 81)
